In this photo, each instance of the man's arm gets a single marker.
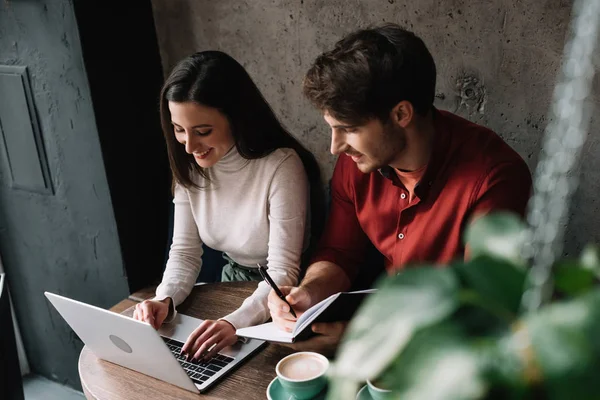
(507, 187)
(338, 257)
(323, 279)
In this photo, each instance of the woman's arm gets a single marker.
(288, 215)
(185, 254)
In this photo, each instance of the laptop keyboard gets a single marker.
(198, 371)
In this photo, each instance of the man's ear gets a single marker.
(403, 113)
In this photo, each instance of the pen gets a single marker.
(263, 272)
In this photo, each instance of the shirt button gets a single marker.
(403, 196)
(401, 236)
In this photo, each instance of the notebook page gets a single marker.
(269, 332)
(307, 317)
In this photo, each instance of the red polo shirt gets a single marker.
(471, 171)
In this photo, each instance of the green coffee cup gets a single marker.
(377, 393)
(302, 374)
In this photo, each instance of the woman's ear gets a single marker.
(402, 113)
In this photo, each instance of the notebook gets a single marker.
(337, 307)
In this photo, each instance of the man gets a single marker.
(409, 178)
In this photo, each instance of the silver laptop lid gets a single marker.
(122, 340)
(136, 345)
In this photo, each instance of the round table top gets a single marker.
(102, 380)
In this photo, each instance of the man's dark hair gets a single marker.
(370, 71)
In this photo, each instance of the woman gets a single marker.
(241, 186)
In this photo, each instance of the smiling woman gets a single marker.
(204, 131)
(242, 185)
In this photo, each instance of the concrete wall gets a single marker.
(497, 63)
(65, 242)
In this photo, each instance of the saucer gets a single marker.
(363, 394)
(276, 392)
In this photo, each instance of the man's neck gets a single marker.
(419, 142)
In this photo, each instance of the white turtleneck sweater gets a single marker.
(256, 211)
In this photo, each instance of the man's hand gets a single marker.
(208, 339)
(299, 299)
(152, 311)
(327, 340)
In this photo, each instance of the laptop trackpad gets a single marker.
(180, 328)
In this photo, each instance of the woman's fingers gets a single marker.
(204, 346)
(187, 348)
(226, 341)
(204, 342)
(137, 312)
(140, 313)
(210, 331)
(145, 312)
(161, 314)
(226, 337)
(210, 338)
(148, 308)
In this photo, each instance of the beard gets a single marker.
(392, 141)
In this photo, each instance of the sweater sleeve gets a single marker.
(287, 212)
(185, 254)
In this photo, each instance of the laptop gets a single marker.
(138, 346)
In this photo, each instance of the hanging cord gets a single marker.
(556, 175)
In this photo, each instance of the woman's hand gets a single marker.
(208, 339)
(152, 311)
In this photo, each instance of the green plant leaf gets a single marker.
(558, 347)
(590, 259)
(505, 371)
(438, 363)
(340, 388)
(572, 278)
(498, 283)
(499, 235)
(387, 320)
(478, 318)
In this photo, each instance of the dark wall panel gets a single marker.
(101, 228)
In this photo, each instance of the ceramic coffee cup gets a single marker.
(302, 374)
(378, 393)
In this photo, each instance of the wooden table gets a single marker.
(103, 380)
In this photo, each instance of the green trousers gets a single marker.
(234, 272)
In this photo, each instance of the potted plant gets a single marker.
(460, 332)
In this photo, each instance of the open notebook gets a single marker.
(337, 307)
